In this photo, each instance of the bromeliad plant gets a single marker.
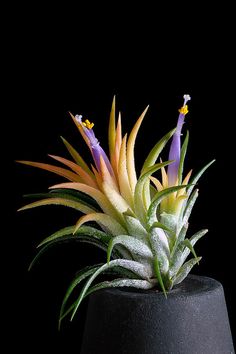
(141, 221)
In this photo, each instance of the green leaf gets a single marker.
(182, 157)
(156, 150)
(138, 193)
(158, 275)
(180, 238)
(194, 180)
(83, 230)
(197, 236)
(189, 207)
(193, 240)
(136, 247)
(83, 274)
(78, 238)
(151, 214)
(185, 269)
(76, 195)
(67, 194)
(188, 244)
(136, 267)
(76, 156)
(135, 228)
(163, 227)
(59, 201)
(160, 248)
(134, 283)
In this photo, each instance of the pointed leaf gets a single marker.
(195, 179)
(158, 275)
(71, 176)
(59, 201)
(92, 192)
(84, 230)
(123, 177)
(130, 151)
(83, 274)
(185, 269)
(189, 207)
(182, 158)
(156, 150)
(74, 195)
(188, 244)
(193, 240)
(112, 128)
(86, 177)
(76, 156)
(136, 267)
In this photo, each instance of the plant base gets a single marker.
(192, 320)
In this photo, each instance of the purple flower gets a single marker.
(175, 147)
(93, 143)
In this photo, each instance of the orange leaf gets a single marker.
(71, 176)
(86, 178)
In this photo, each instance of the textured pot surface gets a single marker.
(192, 320)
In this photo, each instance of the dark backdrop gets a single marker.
(56, 64)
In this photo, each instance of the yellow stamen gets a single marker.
(184, 109)
(88, 124)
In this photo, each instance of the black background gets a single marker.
(58, 62)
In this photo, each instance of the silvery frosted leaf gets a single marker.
(185, 269)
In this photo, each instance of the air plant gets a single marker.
(142, 221)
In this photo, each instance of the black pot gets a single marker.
(192, 320)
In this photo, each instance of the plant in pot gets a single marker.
(151, 304)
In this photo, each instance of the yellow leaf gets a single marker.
(185, 181)
(106, 221)
(130, 151)
(123, 175)
(157, 183)
(112, 128)
(97, 195)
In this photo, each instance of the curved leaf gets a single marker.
(83, 274)
(71, 176)
(59, 201)
(136, 247)
(117, 283)
(185, 269)
(194, 180)
(105, 220)
(156, 150)
(86, 177)
(92, 192)
(136, 267)
(138, 193)
(151, 214)
(84, 230)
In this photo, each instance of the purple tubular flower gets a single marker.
(175, 147)
(93, 143)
